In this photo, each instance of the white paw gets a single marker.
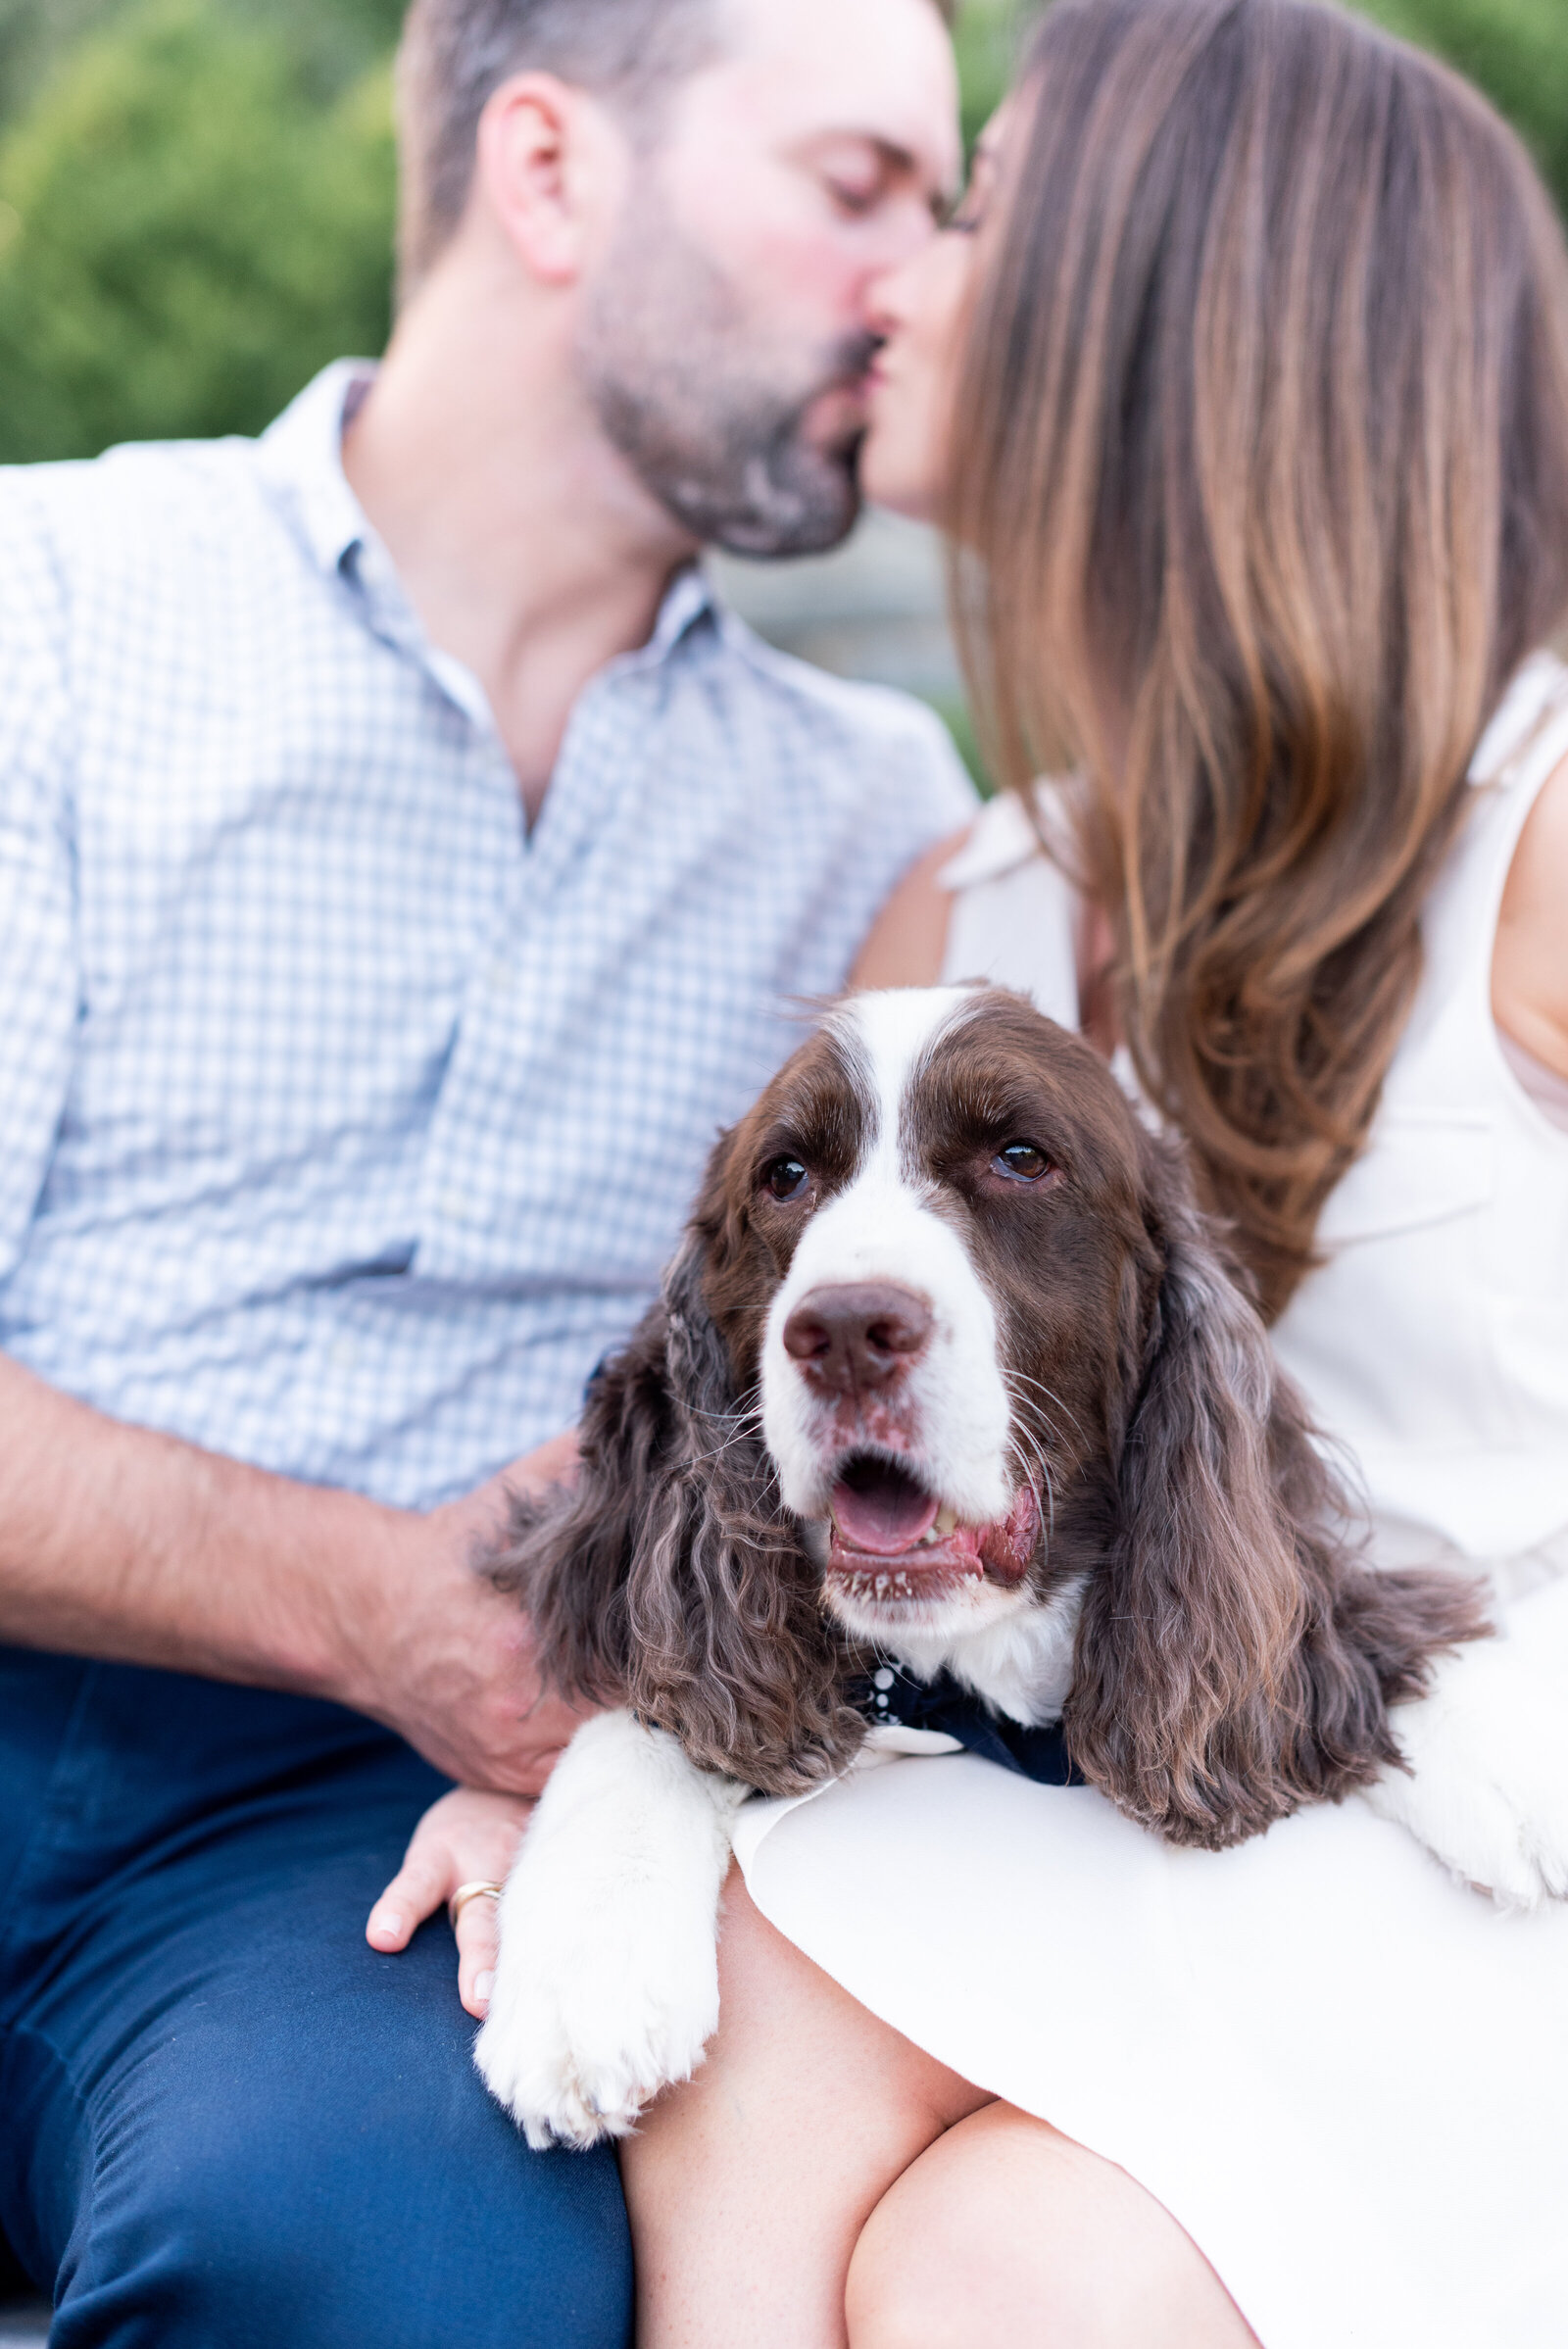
(607, 1984)
(578, 2040)
(1488, 1787)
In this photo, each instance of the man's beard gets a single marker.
(708, 411)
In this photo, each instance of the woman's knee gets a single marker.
(749, 2184)
(1008, 2232)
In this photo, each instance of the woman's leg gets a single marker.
(1007, 2235)
(748, 2186)
(821, 2182)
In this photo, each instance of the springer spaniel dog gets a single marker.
(951, 1382)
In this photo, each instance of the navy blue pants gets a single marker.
(225, 2122)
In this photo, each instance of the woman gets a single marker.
(1255, 447)
(1260, 433)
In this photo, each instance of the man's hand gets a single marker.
(467, 1837)
(435, 1653)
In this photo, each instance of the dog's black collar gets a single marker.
(893, 1695)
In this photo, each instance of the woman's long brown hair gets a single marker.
(1261, 482)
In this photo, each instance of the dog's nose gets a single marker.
(858, 1337)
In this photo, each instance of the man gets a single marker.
(405, 867)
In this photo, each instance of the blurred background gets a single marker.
(196, 213)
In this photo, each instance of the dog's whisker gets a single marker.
(745, 1410)
(1030, 1456)
(1029, 1411)
(698, 1459)
(1050, 1429)
(1035, 1428)
(1024, 1379)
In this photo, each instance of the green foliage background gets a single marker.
(195, 210)
(196, 195)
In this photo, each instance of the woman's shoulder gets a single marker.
(996, 870)
(907, 943)
(1530, 953)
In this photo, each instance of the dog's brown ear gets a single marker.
(569, 1553)
(729, 1649)
(673, 1579)
(1233, 1659)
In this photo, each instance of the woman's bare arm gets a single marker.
(1530, 960)
(909, 935)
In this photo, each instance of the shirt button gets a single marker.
(458, 1204)
(343, 1354)
(882, 1679)
(499, 975)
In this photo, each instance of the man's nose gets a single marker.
(855, 1338)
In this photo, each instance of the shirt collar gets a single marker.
(303, 452)
(688, 598)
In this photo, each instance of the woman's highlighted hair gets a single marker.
(1261, 482)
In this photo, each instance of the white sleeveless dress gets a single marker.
(1344, 2073)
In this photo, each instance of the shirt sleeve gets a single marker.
(941, 795)
(39, 976)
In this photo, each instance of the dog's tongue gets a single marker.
(880, 1510)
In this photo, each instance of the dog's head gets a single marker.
(949, 1340)
(929, 1253)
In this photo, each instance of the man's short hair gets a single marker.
(456, 52)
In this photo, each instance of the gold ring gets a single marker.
(466, 1892)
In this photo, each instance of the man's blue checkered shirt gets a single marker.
(345, 1124)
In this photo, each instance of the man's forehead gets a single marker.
(878, 69)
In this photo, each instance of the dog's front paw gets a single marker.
(1486, 1789)
(581, 2036)
(607, 1985)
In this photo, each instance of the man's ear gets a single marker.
(551, 167)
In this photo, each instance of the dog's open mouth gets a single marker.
(891, 1539)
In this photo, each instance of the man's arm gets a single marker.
(119, 1542)
(122, 1544)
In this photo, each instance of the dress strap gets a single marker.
(1528, 736)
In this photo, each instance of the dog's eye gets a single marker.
(786, 1178)
(1022, 1162)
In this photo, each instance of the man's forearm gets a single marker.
(120, 1543)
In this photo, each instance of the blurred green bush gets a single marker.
(196, 195)
(987, 35)
(190, 227)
